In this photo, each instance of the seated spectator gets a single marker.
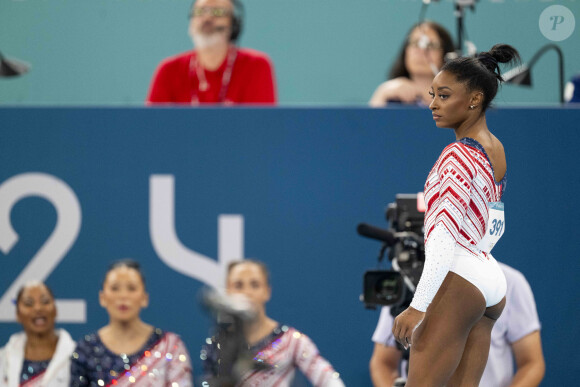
(419, 60)
(216, 71)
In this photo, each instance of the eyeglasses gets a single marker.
(424, 45)
(211, 11)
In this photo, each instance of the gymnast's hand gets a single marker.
(405, 324)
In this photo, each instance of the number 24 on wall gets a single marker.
(68, 210)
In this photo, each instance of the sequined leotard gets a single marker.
(458, 190)
(284, 350)
(163, 361)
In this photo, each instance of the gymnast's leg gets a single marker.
(439, 341)
(474, 359)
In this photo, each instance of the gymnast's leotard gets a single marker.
(463, 220)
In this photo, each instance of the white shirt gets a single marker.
(56, 375)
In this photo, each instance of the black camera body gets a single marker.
(404, 241)
(226, 355)
(383, 287)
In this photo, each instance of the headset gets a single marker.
(237, 18)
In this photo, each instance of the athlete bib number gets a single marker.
(495, 226)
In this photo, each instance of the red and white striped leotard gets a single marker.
(457, 192)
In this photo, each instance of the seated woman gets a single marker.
(275, 350)
(40, 355)
(128, 351)
(419, 60)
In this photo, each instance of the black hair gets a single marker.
(260, 264)
(398, 69)
(126, 262)
(482, 72)
(29, 284)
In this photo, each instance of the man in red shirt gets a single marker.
(216, 71)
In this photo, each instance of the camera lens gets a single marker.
(388, 289)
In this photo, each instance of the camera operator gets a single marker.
(515, 336)
(259, 351)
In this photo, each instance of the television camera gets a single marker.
(404, 242)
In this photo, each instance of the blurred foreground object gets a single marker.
(232, 314)
(12, 67)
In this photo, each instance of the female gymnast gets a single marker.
(279, 349)
(461, 292)
(127, 351)
(40, 355)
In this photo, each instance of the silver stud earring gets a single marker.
(472, 107)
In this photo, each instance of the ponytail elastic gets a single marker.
(489, 61)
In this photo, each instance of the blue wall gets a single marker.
(104, 52)
(302, 179)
